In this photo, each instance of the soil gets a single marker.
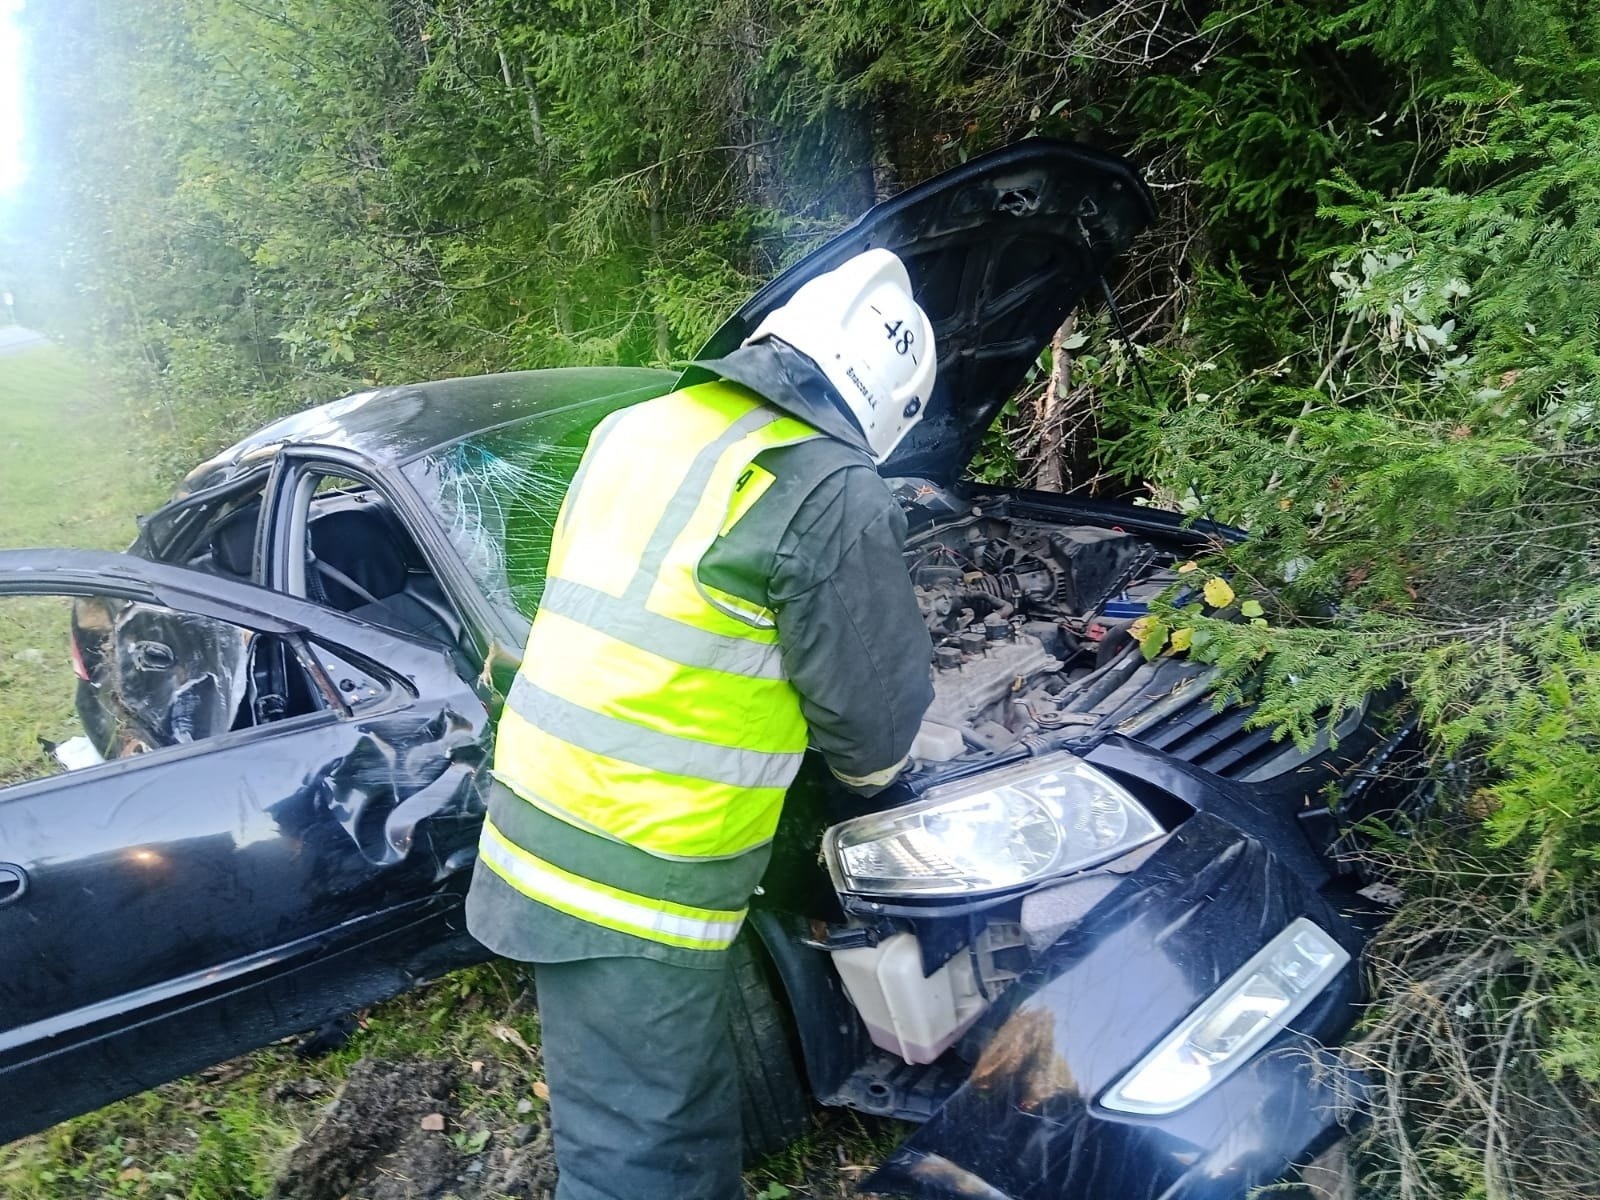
(394, 1132)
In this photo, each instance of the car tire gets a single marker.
(773, 1101)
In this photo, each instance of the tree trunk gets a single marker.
(885, 179)
(1049, 466)
(657, 237)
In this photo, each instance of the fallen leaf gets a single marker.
(541, 1089)
(1251, 608)
(507, 1034)
(1217, 592)
(1180, 639)
(477, 1066)
(432, 1123)
(1185, 568)
(129, 1173)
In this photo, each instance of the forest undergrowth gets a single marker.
(1367, 315)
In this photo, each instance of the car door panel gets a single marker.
(233, 889)
(123, 1052)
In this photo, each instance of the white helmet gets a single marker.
(860, 324)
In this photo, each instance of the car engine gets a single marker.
(1019, 611)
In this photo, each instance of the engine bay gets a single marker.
(1020, 612)
(1030, 623)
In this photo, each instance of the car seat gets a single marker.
(358, 566)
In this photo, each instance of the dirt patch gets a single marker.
(395, 1132)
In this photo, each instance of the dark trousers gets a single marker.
(644, 1095)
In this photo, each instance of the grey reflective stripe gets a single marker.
(661, 635)
(612, 907)
(680, 509)
(645, 747)
(876, 779)
(754, 616)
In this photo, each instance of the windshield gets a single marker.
(497, 495)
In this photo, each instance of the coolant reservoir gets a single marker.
(937, 743)
(908, 1014)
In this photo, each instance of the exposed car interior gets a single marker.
(359, 557)
(360, 560)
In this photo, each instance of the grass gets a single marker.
(69, 476)
(70, 472)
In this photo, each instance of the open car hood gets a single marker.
(999, 250)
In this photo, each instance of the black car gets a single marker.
(1096, 941)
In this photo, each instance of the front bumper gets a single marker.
(1026, 1123)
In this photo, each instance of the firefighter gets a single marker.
(725, 587)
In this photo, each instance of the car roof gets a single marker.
(393, 425)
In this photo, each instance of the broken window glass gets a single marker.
(497, 497)
(90, 678)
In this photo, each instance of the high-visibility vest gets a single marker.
(651, 708)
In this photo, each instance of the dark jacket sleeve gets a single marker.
(853, 639)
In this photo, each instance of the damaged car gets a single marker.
(1097, 941)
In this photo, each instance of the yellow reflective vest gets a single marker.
(650, 708)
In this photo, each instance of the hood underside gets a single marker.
(999, 251)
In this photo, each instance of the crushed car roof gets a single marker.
(394, 425)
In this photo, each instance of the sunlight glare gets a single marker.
(13, 168)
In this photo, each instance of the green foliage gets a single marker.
(1368, 312)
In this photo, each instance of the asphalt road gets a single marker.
(15, 337)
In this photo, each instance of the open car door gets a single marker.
(282, 831)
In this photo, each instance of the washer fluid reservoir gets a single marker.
(906, 1013)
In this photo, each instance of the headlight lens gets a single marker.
(1235, 1021)
(998, 830)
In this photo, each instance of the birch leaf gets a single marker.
(1153, 640)
(1218, 593)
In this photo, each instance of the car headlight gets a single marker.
(1216, 1039)
(998, 830)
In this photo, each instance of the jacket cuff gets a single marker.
(875, 782)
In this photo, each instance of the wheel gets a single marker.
(773, 1101)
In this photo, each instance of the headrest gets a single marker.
(233, 542)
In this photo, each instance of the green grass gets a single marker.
(69, 476)
(70, 471)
